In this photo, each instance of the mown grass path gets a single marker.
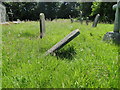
(86, 61)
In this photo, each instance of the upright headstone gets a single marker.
(115, 35)
(56, 18)
(71, 19)
(81, 19)
(96, 20)
(87, 20)
(3, 13)
(117, 17)
(64, 41)
(42, 25)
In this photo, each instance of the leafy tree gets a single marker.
(20, 10)
(86, 8)
(69, 8)
(105, 11)
(31, 10)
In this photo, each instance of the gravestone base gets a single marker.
(112, 36)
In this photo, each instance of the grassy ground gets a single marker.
(86, 61)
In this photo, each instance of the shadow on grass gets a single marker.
(68, 53)
(26, 34)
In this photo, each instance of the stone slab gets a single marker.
(64, 41)
(42, 25)
(96, 20)
(112, 36)
(71, 19)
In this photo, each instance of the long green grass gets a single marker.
(85, 62)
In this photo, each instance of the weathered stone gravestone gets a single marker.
(56, 18)
(87, 20)
(2, 13)
(64, 41)
(96, 20)
(17, 22)
(115, 35)
(81, 19)
(42, 25)
(71, 19)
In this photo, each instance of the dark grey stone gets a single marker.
(96, 20)
(81, 19)
(56, 18)
(112, 36)
(42, 25)
(64, 41)
(117, 17)
(71, 19)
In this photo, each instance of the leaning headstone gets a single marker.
(71, 19)
(115, 35)
(80, 14)
(64, 41)
(96, 20)
(87, 20)
(42, 25)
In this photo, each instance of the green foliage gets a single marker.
(50, 9)
(21, 10)
(85, 62)
(95, 8)
(31, 10)
(86, 8)
(107, 14)
(68, 8)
